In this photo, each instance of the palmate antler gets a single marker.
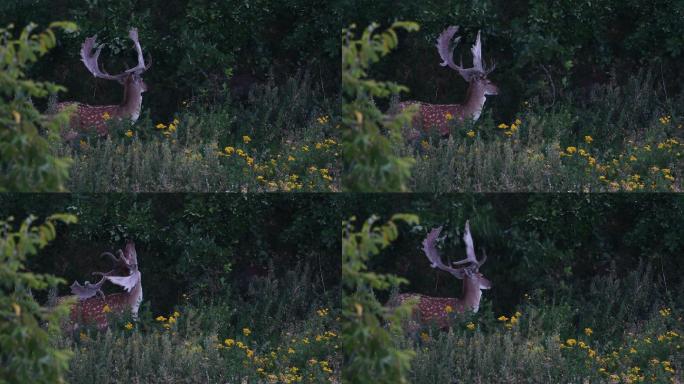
(90, 59)
(126, 261)
(469, 264)
(446, 52)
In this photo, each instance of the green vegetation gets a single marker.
(27, 352)
(369, 351)
(370, 163)
(282, 331)
(585, 287)
(26, 161)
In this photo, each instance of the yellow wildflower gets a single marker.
(503, 126)
(129, 133)
(160, 126)
(448, 116)
(503, 318)
(471, 133)
(588, 331)
(106, 116)
(571, 342)
(448, 309)
(246, 139)
(290, 158)
(106, 309)
(246, 331)
(160, 318)
(632, 158)
(470, 326)
(129, 326)
(229, 150)
(571, 150)
(588, 139)
(229, 342)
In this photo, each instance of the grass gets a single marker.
(627, 137)
(621, 331)
(280, 331)
(281, 139)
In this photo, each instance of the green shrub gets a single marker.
(27, 160)
(27, 352)
(371, 162)
(370, 353)
(258, 336)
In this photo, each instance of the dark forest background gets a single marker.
(546, 50)
(208, 247)
(199, 48)
(555, 247)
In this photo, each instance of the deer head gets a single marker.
(93, 305)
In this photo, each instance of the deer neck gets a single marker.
(132, 102)
(474, 103)
(471, 294)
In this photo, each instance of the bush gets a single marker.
(370, 161)
(259, 337)
(371, 354)
(27, 160)
(28, 353)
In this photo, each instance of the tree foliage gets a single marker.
(27, 161)
(369, 136)
(27, 352)
(370, 352)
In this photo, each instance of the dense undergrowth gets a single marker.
(624, 330)
(281, 139)
(611, 138)
(282, 330)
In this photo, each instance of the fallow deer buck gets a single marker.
(87, 116)
(436, 309)
(439, 115)
(93, 305)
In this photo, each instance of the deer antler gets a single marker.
(87, 290)
(140, 68)
(430, 249)
(446, 52)
(130, 257)
(90, 59)
(470, 263)
(470, 249)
